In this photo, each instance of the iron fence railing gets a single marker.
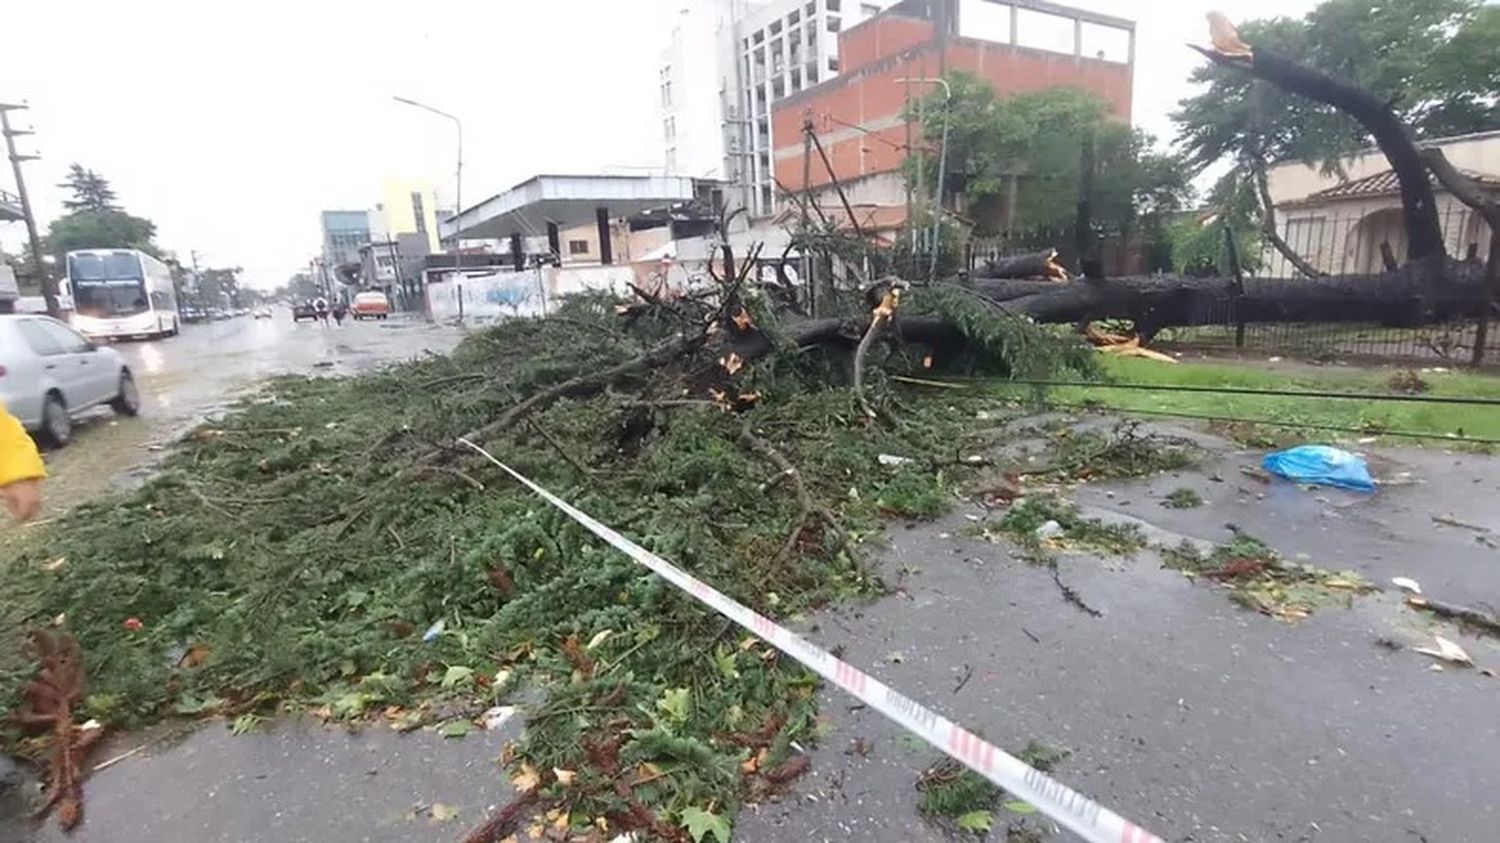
(1357, 237)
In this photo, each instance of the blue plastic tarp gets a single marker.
(1321, 465)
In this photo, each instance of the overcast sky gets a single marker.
(231, 125)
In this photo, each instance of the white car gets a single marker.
(50, 373)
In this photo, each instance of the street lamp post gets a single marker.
(937, 203)
(458, 193)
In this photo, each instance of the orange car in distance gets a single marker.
(371, 304)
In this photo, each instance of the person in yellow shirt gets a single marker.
(21, 469)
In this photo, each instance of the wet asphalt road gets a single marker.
(196, 374)
(1191, 716)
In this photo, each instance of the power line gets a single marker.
(1276, 393)
(871, 132)
(1408, 434)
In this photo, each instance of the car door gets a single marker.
(57, 367)
(20, 374)
(97, 379)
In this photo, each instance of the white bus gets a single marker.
(121, 293)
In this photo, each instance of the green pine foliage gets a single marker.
(300, 546)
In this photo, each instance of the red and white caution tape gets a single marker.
(1090, 820)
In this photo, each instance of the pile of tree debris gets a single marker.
(325, 547)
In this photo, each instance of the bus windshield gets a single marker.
(107, 284)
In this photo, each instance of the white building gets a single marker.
(1341, 223)
(727, 62)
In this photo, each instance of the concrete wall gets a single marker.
(628, 245)
(530, 292)
(1345, 237)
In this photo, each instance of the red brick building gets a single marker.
(1018, 45)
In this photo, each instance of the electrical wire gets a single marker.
(1408, 434)
(870, 132)
(1277, 393)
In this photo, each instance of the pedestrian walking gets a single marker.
(321, 307)
(339, 312)
(21, 469)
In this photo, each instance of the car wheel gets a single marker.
(128, 401)
(57, 425)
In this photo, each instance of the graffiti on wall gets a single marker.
(492, 296)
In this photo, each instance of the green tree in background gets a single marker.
(216, 288)
(1035, 141)
(94, 221)
(302, 287)
(91, 191)
(1433, 60)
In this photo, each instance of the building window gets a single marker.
(793, 18)
(669, 129)
(1105, 43)
(832, 5)
(1044, 31)
(833, 23)
(984, 21)
(578, 247)
(666, 92)
(833, 65)
(870, 10)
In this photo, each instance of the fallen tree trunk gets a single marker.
(1417, 293)
(1041, 264)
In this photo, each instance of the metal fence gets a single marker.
(1362, 236)
(1438, 344)
(1352, 237)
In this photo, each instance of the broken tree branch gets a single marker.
(882, 314)
(1070, 595)
(503, 822)
(1467, 192)
(1476, 618)
(1463, 188)
(810, 508)
(1041, 264)
(1257, 167)
(591, 383)
(1424, 232)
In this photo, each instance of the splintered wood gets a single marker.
(1122, 345)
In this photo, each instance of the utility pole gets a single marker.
(197, 280)
(911, 222)
(49, 284)
(807, 199)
